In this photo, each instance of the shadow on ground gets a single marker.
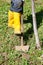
(39, 16)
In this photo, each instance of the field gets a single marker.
(8, 40)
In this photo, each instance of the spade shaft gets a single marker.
(22, 30)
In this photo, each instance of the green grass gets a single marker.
(8, 56)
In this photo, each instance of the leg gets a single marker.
(17, 23)
(10, 19)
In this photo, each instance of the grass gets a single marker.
(8, 56)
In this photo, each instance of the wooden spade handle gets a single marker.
(22, 30)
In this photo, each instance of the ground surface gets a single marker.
(8, 55)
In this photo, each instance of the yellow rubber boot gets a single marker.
(14, 21)
(17, 23)
(10, 19)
